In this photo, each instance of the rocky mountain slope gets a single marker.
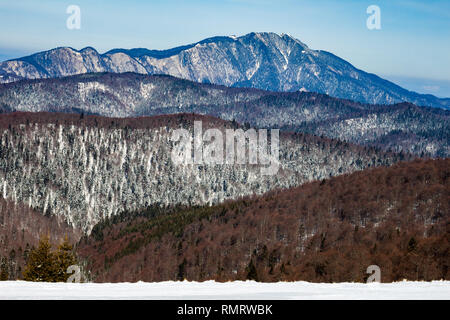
(260, 60)
(324, 231)
(400, 127)
(85, 168)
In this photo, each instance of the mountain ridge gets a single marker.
(262, 60)
(416, 129)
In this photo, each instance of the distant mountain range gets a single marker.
(399, 127)
(259, 60)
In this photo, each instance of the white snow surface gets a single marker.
(238, 290)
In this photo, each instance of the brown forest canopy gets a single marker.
(325, 231)
(20, 230)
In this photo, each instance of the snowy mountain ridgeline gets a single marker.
(400, 127)
(260, 60)
(85, 168)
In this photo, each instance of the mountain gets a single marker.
(260, 60)
(85, 168)
(323, 231)
(403, 127)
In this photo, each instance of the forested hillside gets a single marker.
(85, 168)
(324, 231)
(401, 127)
(21, 227)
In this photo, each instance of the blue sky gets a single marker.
(412, 48)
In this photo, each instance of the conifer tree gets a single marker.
(41, 263)
(182, 270)
(412, 245)
(252, 274)
(4, 274)
(64, 258)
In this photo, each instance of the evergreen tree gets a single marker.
(4, 274)
(64, 258)
(41, 263)
(412, 245)
(252, 274)
(182, 270)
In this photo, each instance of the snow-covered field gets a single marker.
(225, 291)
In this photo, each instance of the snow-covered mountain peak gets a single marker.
(263, 60)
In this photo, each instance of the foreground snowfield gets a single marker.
(226, 291)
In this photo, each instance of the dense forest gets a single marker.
(101, 175)
(84, 168)
(324, 231)
(399, 127)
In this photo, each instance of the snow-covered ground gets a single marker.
(225, 291)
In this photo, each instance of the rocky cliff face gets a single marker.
(84, 168)
(260, 60)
